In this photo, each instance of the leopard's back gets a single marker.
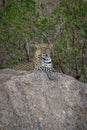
(28, 66)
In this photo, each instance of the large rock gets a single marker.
(31, 101)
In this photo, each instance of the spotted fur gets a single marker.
(42, 57)
(42, 60)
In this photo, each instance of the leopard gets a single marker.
(42, 60)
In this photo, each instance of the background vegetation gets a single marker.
(25, 23)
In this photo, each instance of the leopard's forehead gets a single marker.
(43, 45)
(43, 48)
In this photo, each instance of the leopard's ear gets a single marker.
(37, 46)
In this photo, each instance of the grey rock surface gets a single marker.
(31, 101)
